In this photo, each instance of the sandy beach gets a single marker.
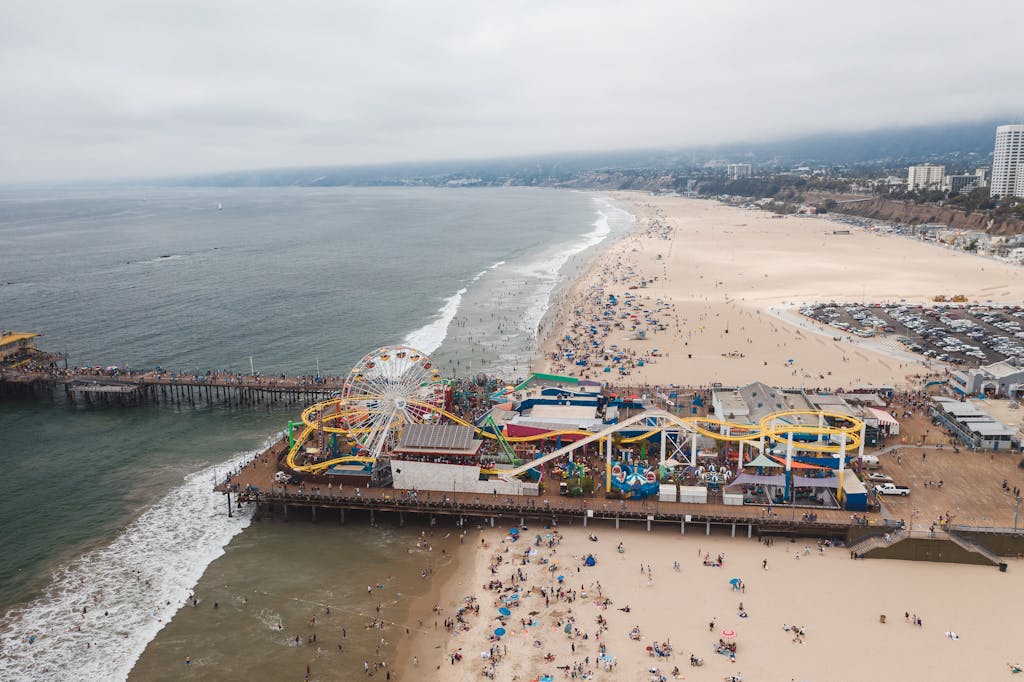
(965, 630)
(716, 287)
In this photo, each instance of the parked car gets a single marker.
(879, 477)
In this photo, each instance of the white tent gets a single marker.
(887, 420)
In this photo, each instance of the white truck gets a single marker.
(892, 489)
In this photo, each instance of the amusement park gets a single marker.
(398, 424)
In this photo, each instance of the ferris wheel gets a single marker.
(386, 390)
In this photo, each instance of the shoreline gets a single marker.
(120, 577)
(711, 315)
(444, 590)
(563, 290)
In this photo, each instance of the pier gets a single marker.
(319, 499)
(162, 387)
(518, 510)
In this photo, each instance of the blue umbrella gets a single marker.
(514, 531)
(505, 612)
(499, 632)
(734, 581)
(568, 628)
(515, 597)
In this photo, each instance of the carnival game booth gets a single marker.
(445, 457)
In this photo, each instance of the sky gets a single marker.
(121, 89)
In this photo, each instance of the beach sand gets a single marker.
(726, 282)
(836, 601)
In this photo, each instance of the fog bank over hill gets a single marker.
(963, 144)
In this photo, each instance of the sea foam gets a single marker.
(139, 580)
(549, 269)
(430, 336)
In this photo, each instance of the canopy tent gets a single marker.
(886, 419)
(762, 461)
(752, 479)
(811, 482)
(780, 480)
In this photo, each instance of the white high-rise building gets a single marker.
(928, 176)
(737, 171)
(1008, 162)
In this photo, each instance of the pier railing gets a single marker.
(467, 504)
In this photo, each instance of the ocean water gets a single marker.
(109, 508)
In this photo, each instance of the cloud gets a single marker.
(121, 88)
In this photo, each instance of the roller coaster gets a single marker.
(330, 417)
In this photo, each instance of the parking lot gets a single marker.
(960, 334)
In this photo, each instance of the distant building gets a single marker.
(926, 176)
(998, 379)
(961, 184)
(1008, 162)
(749, 404)
(737, 171)
(16, 344)
(972, 426)
(983, 175)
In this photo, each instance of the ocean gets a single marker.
(109, 509)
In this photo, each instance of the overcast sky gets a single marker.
(97, 89)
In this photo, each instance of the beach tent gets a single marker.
(589, 560)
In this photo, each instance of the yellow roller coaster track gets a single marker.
(775, 427)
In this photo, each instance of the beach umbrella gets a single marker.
(499, 632)
(567, 629)
(505, 612)
(561, 578)
(729, 634)
(513, 531)
(734, 581)
(515, 597)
